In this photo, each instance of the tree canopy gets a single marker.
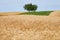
(30, 7)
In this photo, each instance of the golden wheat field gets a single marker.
(10, 13)
(55, 14)
(29, 27)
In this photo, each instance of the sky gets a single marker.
(17, 5)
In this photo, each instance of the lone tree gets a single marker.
(30, 7)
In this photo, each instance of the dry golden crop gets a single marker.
(55, 14)
(9, 13)
(29, 27)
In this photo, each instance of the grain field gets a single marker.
(9, 13)
(29, 27)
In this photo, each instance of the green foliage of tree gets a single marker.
(30, 7)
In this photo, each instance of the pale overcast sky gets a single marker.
(17, 5)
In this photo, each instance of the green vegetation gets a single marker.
(37, 13)
(30, 7)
